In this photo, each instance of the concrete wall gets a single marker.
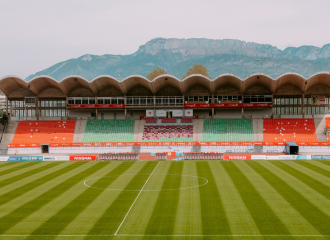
(81, 114)
(227, 113)
(136, 114)
(110, 115)
(24, 151)
(258, 113)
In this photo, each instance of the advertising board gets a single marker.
(189, 113)
(177, 113)
(150, 113)
(82, 158)
(160, 113)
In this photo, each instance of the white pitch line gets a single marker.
(175, 235)
(135, 200)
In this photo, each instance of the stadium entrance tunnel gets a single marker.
(115, 182)
(44, 148)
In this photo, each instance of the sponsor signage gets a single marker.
(258, 157)
(320, 157)
(237, 157)
(82, 158)
(57, 158)
(304, 157)
(177, 113)
(96, 105)
(150, 113)
(31, 158)
(219, 105)
(289, 157)
(13, 159)
(272, 157)
(160, 113)
(4, 158)
(189, 113)
(23, 145)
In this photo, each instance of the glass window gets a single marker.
(70, 101)
(143, 101)
(85, 101)
(122, 100)
(91, 101)
(99, 101)
(107, 101)
(299, 110)
(136, 101)
(77, 101)
(113, 100)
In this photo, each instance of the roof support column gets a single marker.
(272, 106)
(37, 107)
(7, 102)
(125, 113)
(66, 108)
(96, 111)
(212, 113)
(242, 107)
(212, 98)
(303, 105)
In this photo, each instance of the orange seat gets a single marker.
(289, 130)
(31, 132)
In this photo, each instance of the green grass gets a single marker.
(241, 200)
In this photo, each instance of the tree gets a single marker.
(197, 69)
(155, 73)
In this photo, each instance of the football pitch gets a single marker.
(165, 200)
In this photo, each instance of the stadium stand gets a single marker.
(228, 130)
(186, 120)
(29, 132)
(109, 131)
(289, 130)
(168, 120)
(151, 120)
(178, 133)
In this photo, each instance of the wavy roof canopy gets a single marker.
(13, 86)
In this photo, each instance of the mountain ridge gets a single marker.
(177, 55)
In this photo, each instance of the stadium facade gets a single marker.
(258, 97)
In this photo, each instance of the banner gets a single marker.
(288, 157)
(31, 158)
(96, 105)
(189, 113)
(56, 158)
(258, 157)
(150, 113)
(177, 113)
(23, 145)
(4, 159)
(160, 113)
(219, 105)
(82, 158)
(304, 157)
(237, 157)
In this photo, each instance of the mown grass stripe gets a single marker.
(85, 221)
(214, 219)
(293, 221)
(315, 168)
(188, 218)
(320, 165)
(63, 218)
(310, 172)
(146, 202)
(7, 164)
(163, 217)
(262, 214)
(115, 213)
(318, 219)
(9, 196)
(30, 207)
(309, 181)
(37, 169)
(326, 162)
(238, 215)
(18, 167)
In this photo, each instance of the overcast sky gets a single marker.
(35, 34)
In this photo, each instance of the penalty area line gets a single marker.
(136, 199)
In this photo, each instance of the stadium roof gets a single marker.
(46, 86)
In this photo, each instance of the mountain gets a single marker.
(177, 55)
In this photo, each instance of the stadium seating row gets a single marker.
(181, 133)
(222, 130)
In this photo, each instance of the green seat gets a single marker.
(109, 131)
